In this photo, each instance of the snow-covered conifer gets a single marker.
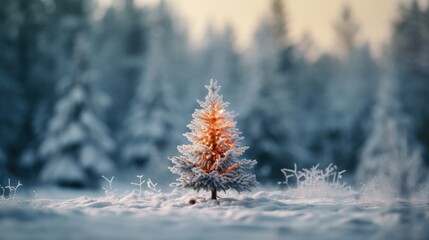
(120, 45)
(390, 153)
(410, 59)
(77, 145)
(149, 121)
(211, 162)
(153, 109)
(265, 116)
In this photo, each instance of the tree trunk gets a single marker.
(214, 194)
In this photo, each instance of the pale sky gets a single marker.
(313, 16)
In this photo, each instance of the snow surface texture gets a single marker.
(295, 213)
(257, 215)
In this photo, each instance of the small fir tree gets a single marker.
(211, 161)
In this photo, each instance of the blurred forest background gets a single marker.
(89, 90)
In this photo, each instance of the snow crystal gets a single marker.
(316, 183)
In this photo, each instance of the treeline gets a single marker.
(87, 90)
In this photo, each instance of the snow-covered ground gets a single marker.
(261, 214)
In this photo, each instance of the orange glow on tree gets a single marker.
(211, 161)
(216, 137)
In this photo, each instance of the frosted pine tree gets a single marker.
(147, 124)
(410, 58)
(154, 109)
(266, 120)
(120, 47)
(390, 153)
(211, 162)
(350, 94)
(77, 145)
